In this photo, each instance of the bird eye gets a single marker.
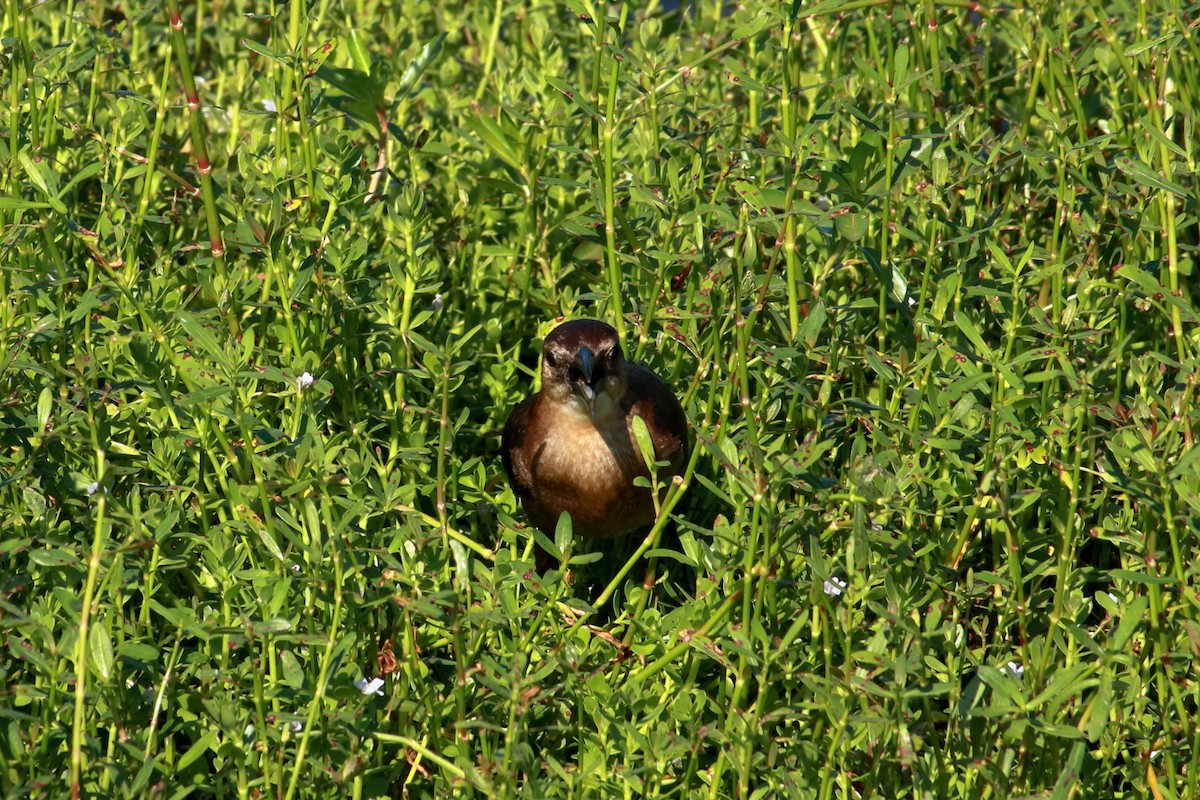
(574, 375)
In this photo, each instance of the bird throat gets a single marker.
(605, 411)
(589, 448)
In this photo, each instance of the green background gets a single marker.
(922, 274)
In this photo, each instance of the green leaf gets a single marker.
(100, 649)
(293, 673)
(563, 530)
(964, 323)
(946, 291)
(1137, 48)
(268, 541)
(1068, 681)
(43, 179)
(1145, 281)
(900, 67)
(55, 558)
(563, 524)
(574, 96)
(139, 651)
(358, 52)
(201, 335)
(142, 779)
(206, 742)
(939, 167)
(1133, 617)
(272, 627)
(1144, 578)
(44, 407)
(417, 67)
(493, 135)
(850, 222)
(741, 78)
(1098, 711)
(899, 287)
(641, 434)
(87, 172)
(813, 324)
(1143, 174)
(18, 203)
(1163, 140)
(266, 52)
(752, 26)
(358, 86)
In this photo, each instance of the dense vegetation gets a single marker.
(271, 279)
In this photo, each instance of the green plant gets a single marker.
(922, 275)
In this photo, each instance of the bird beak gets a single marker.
(583, 360)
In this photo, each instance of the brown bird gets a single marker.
(571, 447)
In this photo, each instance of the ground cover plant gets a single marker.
(272, 275)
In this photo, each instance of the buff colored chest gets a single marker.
(586, 466)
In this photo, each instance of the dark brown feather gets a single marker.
(652, 399)
(510, 442)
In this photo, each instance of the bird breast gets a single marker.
(587, 467)
(588, 451)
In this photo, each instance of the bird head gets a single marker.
(583, 366)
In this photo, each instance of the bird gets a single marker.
(571, 447)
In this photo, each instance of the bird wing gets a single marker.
(512, 454)
(652, 399)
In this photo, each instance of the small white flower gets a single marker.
(437, 302)
(295, 567)
(304, 381)
(372, 686)
(92, 488)
(295, 726)
(834, 586)
(1014, 669)
(269, 105)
